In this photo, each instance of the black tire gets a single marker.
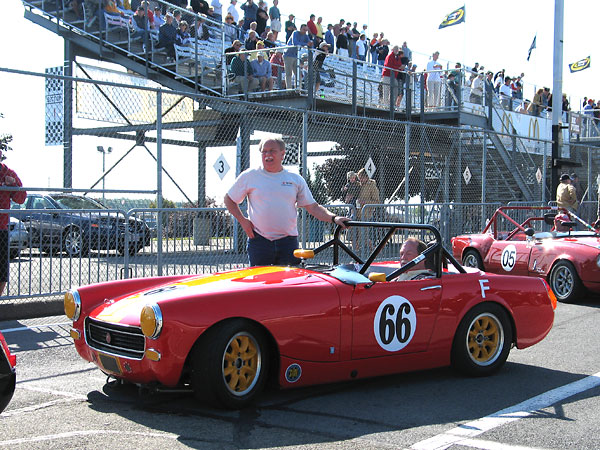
(471, 258)
(75, 243)
(564, 282)
(482, 340)
(132, 249)
(222, 377)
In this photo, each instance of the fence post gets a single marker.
(458, 198)
(483, 176)
(545, 174)
(310, 83)
(68, 115)
(304, 169)
(406, 168)
(354, 86)
(159, 196)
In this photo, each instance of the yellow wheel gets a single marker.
(230, 364)
(482, 340)
(241, 364)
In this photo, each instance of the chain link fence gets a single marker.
(172, 157)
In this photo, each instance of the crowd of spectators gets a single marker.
(251, 26)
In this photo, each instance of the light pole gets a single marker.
(104, 152)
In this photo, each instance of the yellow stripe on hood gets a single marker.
(115, 312)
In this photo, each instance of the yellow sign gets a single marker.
(534, 128)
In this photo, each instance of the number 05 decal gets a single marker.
(509, 257)
(395, 323)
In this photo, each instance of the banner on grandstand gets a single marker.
(580, 65)
(127, 105)
(454, 18)
(55, 107)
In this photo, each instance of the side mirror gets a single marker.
(377, 277)
(569, 224)
(529, 232)
(304, 254)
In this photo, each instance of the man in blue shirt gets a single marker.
(250, 10)
(290, 57)
(330, 38)
(262, 71)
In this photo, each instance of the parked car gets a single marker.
(224, 335)
(8, 377)
(18, 237)
(568, 259)
(75, 224)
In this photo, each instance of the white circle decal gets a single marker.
(395, 323)
(508, 257)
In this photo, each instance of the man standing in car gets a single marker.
(8, 178)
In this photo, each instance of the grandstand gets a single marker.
(348, 87)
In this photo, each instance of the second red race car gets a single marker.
(514, 242)
(224, 335)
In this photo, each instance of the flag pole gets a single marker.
(559, 10)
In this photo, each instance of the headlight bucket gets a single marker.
(151, 321)
(72, 304)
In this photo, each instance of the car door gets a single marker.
(44, 226)
(508, 257)
(391, 318)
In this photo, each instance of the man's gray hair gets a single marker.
(278, 141)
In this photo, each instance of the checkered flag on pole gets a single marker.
(54, 107)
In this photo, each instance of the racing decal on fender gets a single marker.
(395, 323)
(293, 373)
(509, 257)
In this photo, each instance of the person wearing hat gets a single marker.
(167, 33)
(320, 56)
(290, 27)
(566, 196)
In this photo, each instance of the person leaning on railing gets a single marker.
(299, 38)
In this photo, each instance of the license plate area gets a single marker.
(109, 363)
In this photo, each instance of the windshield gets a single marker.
(73, 202)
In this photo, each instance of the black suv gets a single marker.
(76, 224)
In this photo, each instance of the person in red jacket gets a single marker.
(389, 80)
(8, 177)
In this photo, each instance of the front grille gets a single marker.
(117, 340)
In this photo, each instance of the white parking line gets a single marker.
(12, 330)
(475, 428)
(28, 409)
(52, 437)
(489, 445)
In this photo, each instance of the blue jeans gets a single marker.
(280, 252)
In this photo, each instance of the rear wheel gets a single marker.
(471, 258)
(230, 364)
(74, 242)
(482, 341)
(565, 282)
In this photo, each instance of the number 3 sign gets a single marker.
(395, 323)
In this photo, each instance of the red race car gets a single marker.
(568, 255)
(8, 376)
(224, 335)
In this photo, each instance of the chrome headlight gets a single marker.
(151, 321)
(72, 304)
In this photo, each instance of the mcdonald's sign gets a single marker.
(534, 128)
(507, 123)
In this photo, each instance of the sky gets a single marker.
(497, 35)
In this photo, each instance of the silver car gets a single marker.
(18, 237)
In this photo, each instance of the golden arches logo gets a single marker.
(534, 128)
(580, 65)
(507, 123)
(455, 17)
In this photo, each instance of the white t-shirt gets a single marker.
(505, 91)
(433, 76)
(272, 200)
(234, 12)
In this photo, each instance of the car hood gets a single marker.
(126, 309)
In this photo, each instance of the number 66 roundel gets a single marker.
(395, 323)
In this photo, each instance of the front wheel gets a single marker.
(74, 242)
(471, 258)
(230, 364)
(565, 282)
(482, 341)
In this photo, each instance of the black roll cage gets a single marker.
(435, 248)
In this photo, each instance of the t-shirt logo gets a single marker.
(287, 183)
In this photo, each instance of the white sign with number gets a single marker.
(538, 176)
(370, 167)
(467, 175)
(221, 166)
(509, 257)
(395, 323)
